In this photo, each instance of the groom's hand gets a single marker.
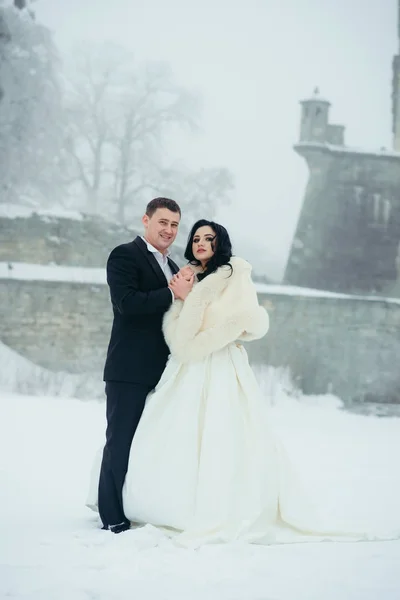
(180, 286)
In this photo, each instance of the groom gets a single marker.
(138, 274)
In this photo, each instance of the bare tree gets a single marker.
(30, 109)
(119, 116)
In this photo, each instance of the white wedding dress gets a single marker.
(203, 461)
(205, 466)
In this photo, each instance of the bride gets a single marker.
(204, 463)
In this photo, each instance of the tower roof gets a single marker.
(316, 97)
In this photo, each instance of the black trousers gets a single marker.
(125, 403)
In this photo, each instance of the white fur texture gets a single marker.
(221, 309)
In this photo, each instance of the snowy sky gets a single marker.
(252, 61)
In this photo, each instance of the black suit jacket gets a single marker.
(140, 296)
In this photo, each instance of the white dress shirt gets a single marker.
(162, 260)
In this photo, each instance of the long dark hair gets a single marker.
(221, 245)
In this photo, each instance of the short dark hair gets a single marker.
(156, 203)
(221, 245)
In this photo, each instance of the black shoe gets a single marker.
(120, 528)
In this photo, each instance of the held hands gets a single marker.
(181, 284)
(186, 272)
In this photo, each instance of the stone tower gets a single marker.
(315, 126)
(348, 233)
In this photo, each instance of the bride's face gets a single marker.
(203, 244)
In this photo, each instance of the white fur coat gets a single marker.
(220, 309)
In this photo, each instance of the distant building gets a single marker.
(348, 234)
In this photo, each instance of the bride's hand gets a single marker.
(186, 272)
(180, 286)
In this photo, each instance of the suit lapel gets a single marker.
(173, 266)
(153, 261)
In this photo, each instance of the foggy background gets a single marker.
(105, 105)
(250, 63)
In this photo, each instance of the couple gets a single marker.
(189, 447)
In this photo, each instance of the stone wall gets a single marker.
(347, 346)
(60, 326)
(85, 241)
(46, 239)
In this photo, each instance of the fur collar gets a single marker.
(215, 283)
(213, 316)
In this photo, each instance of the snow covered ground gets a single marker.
(51, 547)
(35, 272)
(14, 211)
(20, 375)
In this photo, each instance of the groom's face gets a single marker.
(161, 228)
